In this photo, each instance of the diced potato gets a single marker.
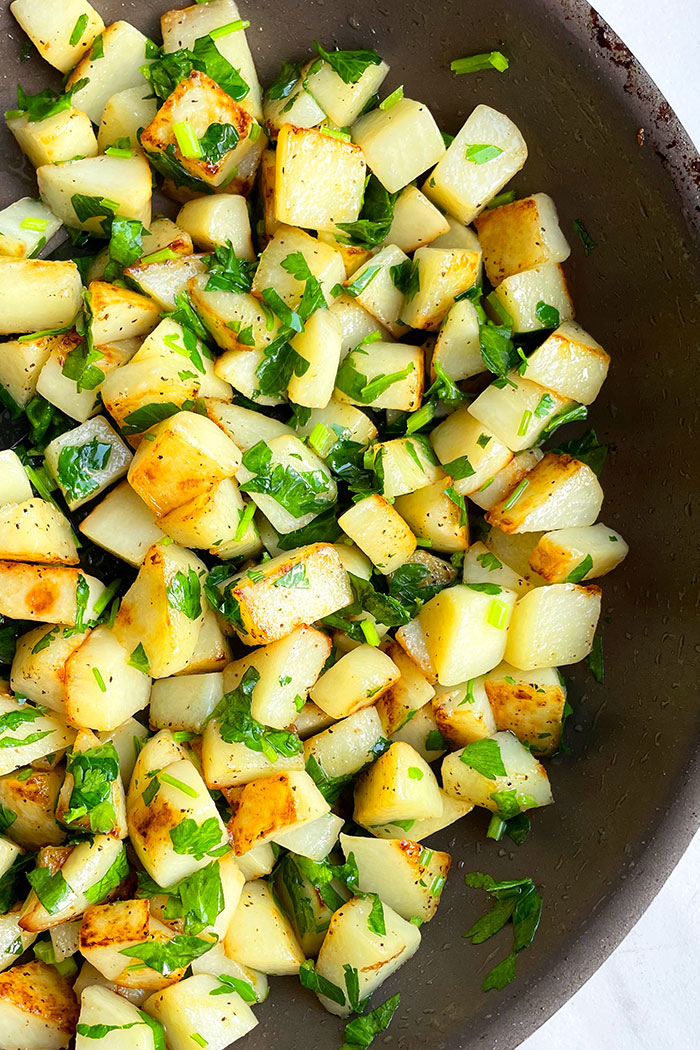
(519, 412)
(301, 893)
(353, 254)
(101, 1006)
(432, 515)
(407, 464)
(158, 752)
(144, 391)
(558, 493)
(162, 610)
(570, 363)
(296, 461)
(38, 1010)
(412, 691)
(530, 704)
(400, 785)
(482, 566)
(299, 109)
(108, 929)
(56, 139)
(405, 875)
(362, 377)
(314, 840)
(117, 67)
(553, 625)
(399, 143)
(287, 668)
(164, 233)
(211, 520)
(319, 344)
(182, 27)
(36, 530)
(234, 319)
(520, 236)
(274, 805)
(102, 688)
(186, 702)
(217, 220)
(89, 977)
(506, 479)
(422, 733)
(217, 962)
(468, 176)
(171, 342)
(38, 295)
(514, 550)
(164, 280)
(380, 532)
(201, 451)
(344, 420)
(416, 221)
(525, 296)
(443, 274)
(469, 452)
(52, 30)
(379, 295)
(342, 102)
(13, 940)
(411, 638)
(462, 712)
(522, 785)
(87, 460)
(32, 799)
(124, 114)
(319, 180)
(261, 936)
(356, 322)
(355, 681)
(258, 861)
(65, 939)
(14, 483)
(343, 749)
(466, 629)
(375, 957)
(310, 720)
(25, 227)
(122, 524)
(186, 1011)
(583, 553)
(325, 263)
(121, 181)
(119, 313)
(21, 364)
(229, 765)
(50, 594)
(458, 347)
(245, 427)
(199, 102)
(77, 401)
(212, 651)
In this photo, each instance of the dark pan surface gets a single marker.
(627, 795)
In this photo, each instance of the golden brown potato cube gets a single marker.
(33, 801)
(37, 294)
(553, 626)
(35, 530)
(38, 1009)
(575, 555)
(529, 704)
(320, 179)
(400, 785)
(433, 515)
(61, 33)
(119, 313)
(50, 594)
(355, 681)
(571, 363)
(273, 805)
(380, 532)
(399, 703)
(107, 929)
(559, 493)
(443, 274)
(519, 236)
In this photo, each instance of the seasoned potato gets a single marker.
(314, 839)
(124, 114)
(520, 236)
(52, 29)
(15, 486)
(134, 393)
(411, 638)
(102, 686)
(528, 703)
(325, 263)
(319, 180)
(67, 394)
(407, 464)
(121, 181)
(219, 220)
(258, 861)
(36, 530)
(128, 739)
(211, 519)
(573, 555)
(412, 691)
(407, 877)
(87, 460)
(229, 765)
(355, 681)
(27, 733)
(443, 274)
(212, 651)
(385, 375)
(415, 221)
(452, 810)
(261, 936)
(462, 712)
(122, 524)
(558, 493)
(38, 1010)
(54, 140)
(116, 67)
(102, 1006)
(380, 532)
(185, 1011)
(319, 345)
(378, 293)
(37, 295)
(119, 313)
(469, 453)
(13, 940)
(400, 142)
(164, 280)
(571, 363)
(506, 479)
(32, 800)
(458, 346)
(25, 227)
(344, 748)
(499, 774)
(39, 664)
(466, 629)
(532, 297)
(245, 427)
(217, 962)
(342, 102)
(514, 550)
(274, 805)
(519, 412)
(481, 159)
(171, 342)
(356, 321)
(482, 566)
(299, 109)
(108, 929)
(400, 785)
(184, 702)
(553, 625)
(432, 515)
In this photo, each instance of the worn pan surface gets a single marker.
(605, 144)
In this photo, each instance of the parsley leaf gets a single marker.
(299, 492)
(484, 756)
(236, 724)
(547, 315)
(375, 219)
(198, 840)
(52, 890)
(77, 465)
(114, 875)
(147, 416)
(217, 141)
(516, 901)
(169, 69)
(362, 389)
(93, 772)
(285, 82)
(361, 1031)
(46, 103)
(412, 585)
(168, 956)
(228, 273)
(197, 899)
(349, 65)
(321, 985)
(385, 608)
(587, 450)
(184, 593)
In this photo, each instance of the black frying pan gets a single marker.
(607, 147)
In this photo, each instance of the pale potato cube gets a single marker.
(324, 262)
(514, 550)
(142, 392)
(558, 493)
(506, 479)
(196, 447)
(530, 704)
(497, 773)
(125, 113)
(32, 799)
(482, 566)
(519, 412)
(119, 313)
(212, 651)
(230, 765)
(53, 29)
(468, 176)
(77, 401)
(124, 182)
(245, 427)
(164, 280)
(211, 519)
(128, 739)
(158, 752)
(38, 295)
(217, 962)
(298, 108)
(462, 712)
(87, 460)
(89, 977)
(162, 610)
(170, 343)
(320, 179)
(234, 319)
(574, 555)
(382, 375)
(185, 1010)
(314, 839)
(458, 346)
(25, 227)
(56, 139)
(27, 733)
(432, 515)
(406, 464)
(49, 594)
(164, 233)
(405, 875)
(36, 530)
(353, 254)
(375, 957)
(343, 420)
(378, 292)
(411, 638)
(355, 681)
(14, 483)
(102, 687)
(399, 143)
(125, 51)
(341, 750)
(273, 805)
(380, 532)
(466, 628)
(458, 236)
(343, 102)
(102, 1006)
(122, 524)
(185, 702)
(400, 785)
(217, 220)
(553, 625)
(310, 720)
(399, 704)
(468, 451)
(319, 344)
(530, 298)
(570, 363)
(520, 236)
(286, 592)
(261, 936)
(297, 461)
(416, 221)
(13, 940)
(38, 1010)
(356, 322)
(21, 364)
(443, 274)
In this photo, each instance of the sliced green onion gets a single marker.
(489, 481)
(496, 829)
(524, 422)
(370, 632)
(118, 151)
(38, 225)
(254, 133)
(187, 141)
(245, 520)
(164, 255)
(513, 499)
(392, 99)
(421, 418)
(422, 542)
(183, 735)
(99, 679)
(230, 27)
(475, 63)
(336, 133)
(321, 439)
(507, 197)
(482, 153)
(165, 778)
(198, 1039)
(497, 615)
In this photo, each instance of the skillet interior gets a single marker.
(626, 796)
